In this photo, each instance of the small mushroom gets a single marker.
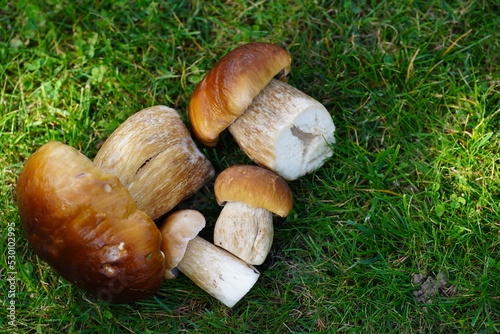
(276, 125)
(83, 222)
(219, 273)
(250, 195)
(177, 230)
(155, 157)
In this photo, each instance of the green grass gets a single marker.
(413, 185)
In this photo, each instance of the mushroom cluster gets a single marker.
(111, 227)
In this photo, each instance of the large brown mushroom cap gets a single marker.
(255, 186)
(230, 86)
(83, 222)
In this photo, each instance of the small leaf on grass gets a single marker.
(435, 187)
(457, 201)
(493, 263)
(16, 43)
(99, 72)
(440, 209)
(108, 314)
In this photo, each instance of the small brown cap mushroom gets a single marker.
(255, 186)
(230, 86)
(177, 230)
(83, 222)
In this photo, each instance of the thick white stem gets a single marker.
(285, 130)
(245, 232)
(219, 273)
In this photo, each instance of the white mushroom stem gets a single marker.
(285, 130)
(245, 232)
(219, 273)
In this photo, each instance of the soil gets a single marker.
(430, 287)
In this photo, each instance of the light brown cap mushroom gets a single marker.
(177, 230)
(213, 269)
(230, 86)
(255, 186)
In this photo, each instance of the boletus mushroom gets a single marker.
(276, 125)
(155, 157)
(219, 273)
(84, 223)
(177, 230)
(250, 195)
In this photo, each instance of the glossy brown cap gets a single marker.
(83, 222)
(255, 186)
(230, 86)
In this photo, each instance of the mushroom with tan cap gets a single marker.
(250, 195)
(155, 157)
(275, 124)
(177, 230)
(219, 273)
(83, 222)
